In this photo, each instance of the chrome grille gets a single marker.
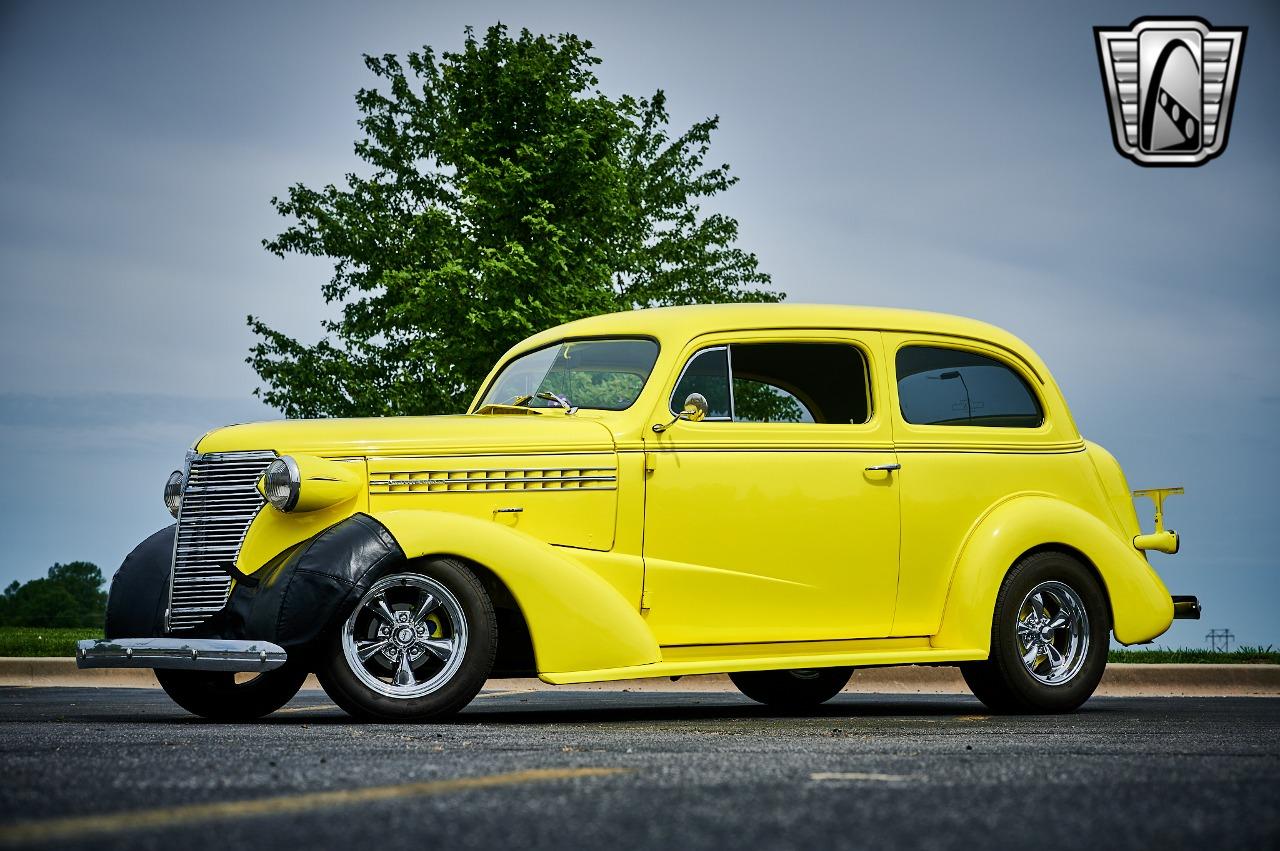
(219, 501)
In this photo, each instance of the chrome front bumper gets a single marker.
(191, 654)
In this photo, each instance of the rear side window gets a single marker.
(779, 383)
(938, 386)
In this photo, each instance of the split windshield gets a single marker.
(603, 374)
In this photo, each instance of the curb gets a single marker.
(1121, 679)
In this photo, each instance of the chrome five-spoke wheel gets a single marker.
(406, 637)
(1049, 637)
(1053, 632)
(418, 644)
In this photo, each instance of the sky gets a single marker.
(950, 157)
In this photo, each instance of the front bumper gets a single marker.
(189, 654)
(1186, 607)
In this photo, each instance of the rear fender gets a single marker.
(577, 620)
(1141, 608)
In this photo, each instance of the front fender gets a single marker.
(1141, 607)
(577, 620)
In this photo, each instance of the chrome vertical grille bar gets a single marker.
(219, 501)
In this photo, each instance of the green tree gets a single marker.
(504, 194)
(70, 595)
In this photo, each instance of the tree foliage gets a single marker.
(70, 595)
(504, 193)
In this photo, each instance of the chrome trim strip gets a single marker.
(493, 481)
(729, 366)
(561, 468)
(188, 654)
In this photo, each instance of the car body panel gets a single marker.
(577, 619)
(780, 524)
(728, 546)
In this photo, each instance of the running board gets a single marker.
(187, 654)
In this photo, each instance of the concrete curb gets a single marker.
(1119, 680)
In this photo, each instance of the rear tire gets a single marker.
(1049, 638)
(797, 689)
(418, 645)
(217, 695)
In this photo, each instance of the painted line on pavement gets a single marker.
(76, 827)
(827, 776)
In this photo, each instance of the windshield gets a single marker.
(604, 374)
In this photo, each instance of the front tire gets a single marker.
(1049, 638)
(798, 689)
(219, 696)
(418, 645)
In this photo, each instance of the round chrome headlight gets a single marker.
(281, 483)
(173, 492)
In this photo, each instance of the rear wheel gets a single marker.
(226, 696)
(1049, 638)
(797, 689)
(418, 645)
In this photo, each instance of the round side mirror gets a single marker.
(695, 407)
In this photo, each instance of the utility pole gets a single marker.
(1220, 640)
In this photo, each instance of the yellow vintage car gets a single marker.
(782, 493)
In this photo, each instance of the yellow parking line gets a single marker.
(74, 827)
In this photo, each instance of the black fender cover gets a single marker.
(301, 592)
(140, 589)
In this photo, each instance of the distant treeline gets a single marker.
(70, 596)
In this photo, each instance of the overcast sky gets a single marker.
(943, 157)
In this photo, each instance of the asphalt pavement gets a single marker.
(124, 768)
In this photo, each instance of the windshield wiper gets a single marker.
(561, 401)
(558, 399)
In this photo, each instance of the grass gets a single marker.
(39, 641)
(1188, 656)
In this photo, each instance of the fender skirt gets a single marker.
(301, 592)
(139, 590)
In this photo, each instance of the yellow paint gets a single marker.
(576, 618)
(736, 546)
(324, 483)
(552, 507)
(1162, 540)
(159, 818)
(771, 531)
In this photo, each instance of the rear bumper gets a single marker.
(190, 654)
(1186, 607)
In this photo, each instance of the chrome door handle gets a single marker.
(888, 468)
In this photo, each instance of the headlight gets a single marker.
(173, 492)
(281, 483)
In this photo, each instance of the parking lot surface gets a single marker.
(124, 768)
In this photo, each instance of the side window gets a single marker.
(707, 373)
(938, 386)
(780, 383)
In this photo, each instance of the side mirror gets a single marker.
(695, 410)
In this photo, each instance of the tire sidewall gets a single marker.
(347, 690)
(1025, 688)
(787, 690)
(217, 696)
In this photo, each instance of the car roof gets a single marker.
(680, 324)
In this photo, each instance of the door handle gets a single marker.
(888, 468)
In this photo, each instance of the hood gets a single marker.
(463, 434)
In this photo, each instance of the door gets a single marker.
(775, 518)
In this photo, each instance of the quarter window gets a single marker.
(938, 386)
(779, 383)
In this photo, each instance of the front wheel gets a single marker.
(798, 689)
(418, 645)
(226, 696)
(1049, 638)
